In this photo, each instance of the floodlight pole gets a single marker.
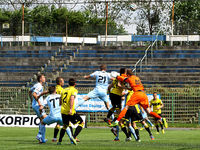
(106, 24)
(172, 21)
(22, 24)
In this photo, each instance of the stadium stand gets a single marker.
(170, 72)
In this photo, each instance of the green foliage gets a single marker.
(187, 17)
(48, 21)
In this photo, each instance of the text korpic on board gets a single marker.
(23, 121)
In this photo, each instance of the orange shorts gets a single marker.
(139, 98)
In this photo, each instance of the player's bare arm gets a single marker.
(36, 98)
(71, 104)
(87, 77)
(43, 93)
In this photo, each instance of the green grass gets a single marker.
(99, 138)
(174, 125)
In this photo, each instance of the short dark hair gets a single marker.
(154, 92)
(129, 72)
(52, 89)
(103, 67)
(122, 71)
(58, 80)
(72, 81)
(39, 76)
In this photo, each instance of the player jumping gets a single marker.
(100, 91)
(138, 97)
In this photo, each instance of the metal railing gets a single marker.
(145, 54)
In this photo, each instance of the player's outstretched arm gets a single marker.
(86, 77)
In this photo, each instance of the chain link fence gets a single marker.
(181, 105)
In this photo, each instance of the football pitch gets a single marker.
(99, 138)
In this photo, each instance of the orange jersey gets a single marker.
(133, 81)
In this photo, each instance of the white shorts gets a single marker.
(98, 93)
(36, 108)
(49, 120)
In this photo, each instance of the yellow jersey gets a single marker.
(130, 93)
(59, 89)
(156, 103)
(116, 89)
(66, 97)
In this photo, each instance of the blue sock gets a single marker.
(40, 132)
(117, 127)
(133, 132)
(80, 103)
(43, 130)
(68, 131)
(151, 124)
(112, 116)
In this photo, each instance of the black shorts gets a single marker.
(133, 114)
(156, 119)
(116, 100)
(76, 118)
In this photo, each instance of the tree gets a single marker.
(151, 17)
(187, 17)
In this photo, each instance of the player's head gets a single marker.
(60, 81)
(72, 82)
(103, 67)
(122, 71)
(41, 78)
(52, 89)
(155, 95)
(129, 72)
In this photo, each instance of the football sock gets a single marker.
(110, 112)
(137, 133)
(77, 131)
(148, 130)
(125, 132)
(153, 114)
(62, 133)
(71, 129)
(157, 128)
(117, 127)
(161, 125)
(133, 132)
(129, 132)
(151, 124)
(43, 131)
(122, 114)
(56, 130)
(68, 131)
(40, 129)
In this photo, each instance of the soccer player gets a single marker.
(37, 103)
(68, 112)
(115, 91)
(100, 91)
(54, 103)
(134, 115)
(157, 105)
(59, 88)
(138, 97)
